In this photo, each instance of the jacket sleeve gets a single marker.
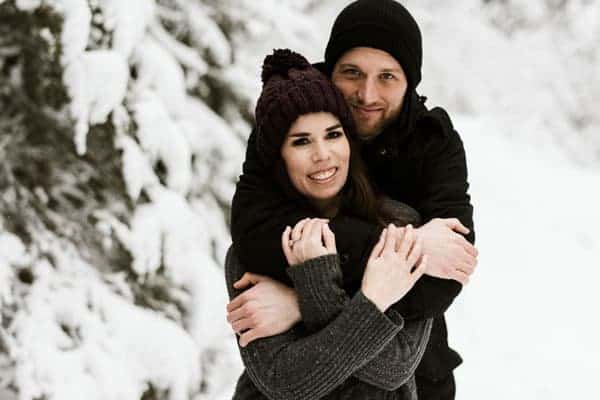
(444, 195)
(296, 365)
(260, 212)
(321, 298)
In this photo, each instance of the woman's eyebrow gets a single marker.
(299, 134)
(333, 127)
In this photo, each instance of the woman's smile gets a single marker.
(324, 176)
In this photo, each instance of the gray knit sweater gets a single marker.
(344, 348)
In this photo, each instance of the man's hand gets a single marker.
(450, 255)
(267, 308)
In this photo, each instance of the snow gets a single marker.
(158, 70)
(12, 253)
(215, 146)
(128, 20)
(28, 5)
(543, 75)
(525, 324)
(168, 233)
(162, 140)
(76, 28)
(137, 169)
(187, 56)
(92, 99)
(99, 340)
(205, 33)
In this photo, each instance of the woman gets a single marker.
(353, 347)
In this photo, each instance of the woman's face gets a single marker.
(316, 153)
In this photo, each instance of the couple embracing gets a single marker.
(352, 226)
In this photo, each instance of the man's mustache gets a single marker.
(359, 103)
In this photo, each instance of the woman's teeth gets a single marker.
(323, 175)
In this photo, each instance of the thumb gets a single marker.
(285, 244)
(456, 225)
(247, 279)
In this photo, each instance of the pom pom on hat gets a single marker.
(280, 62)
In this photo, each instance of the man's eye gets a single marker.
(299, 142)
(387, 76)
(351, 72)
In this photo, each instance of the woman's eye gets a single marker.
(335, 134)
(299, 142)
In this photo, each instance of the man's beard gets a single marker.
(367, 131)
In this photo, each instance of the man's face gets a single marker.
(373, 84)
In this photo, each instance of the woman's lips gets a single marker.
(324, 176)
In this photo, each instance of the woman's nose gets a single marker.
(320, 152)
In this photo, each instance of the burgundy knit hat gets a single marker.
(292, 87)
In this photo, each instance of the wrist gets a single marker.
(375, 299)
(296, 315)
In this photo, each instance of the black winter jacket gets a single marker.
(424, 167)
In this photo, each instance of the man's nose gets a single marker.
(367, 91)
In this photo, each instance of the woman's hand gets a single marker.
(310, 238)
(389, 275)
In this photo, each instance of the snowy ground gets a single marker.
(527, 324)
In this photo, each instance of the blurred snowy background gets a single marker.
(122, 133)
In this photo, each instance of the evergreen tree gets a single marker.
(122, 131)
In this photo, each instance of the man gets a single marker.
(414, 155)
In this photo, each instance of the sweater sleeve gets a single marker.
(321, 298)
(296, 365)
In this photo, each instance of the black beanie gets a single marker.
(381, 24)
(292, 87)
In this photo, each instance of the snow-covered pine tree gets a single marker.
(122, 128)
